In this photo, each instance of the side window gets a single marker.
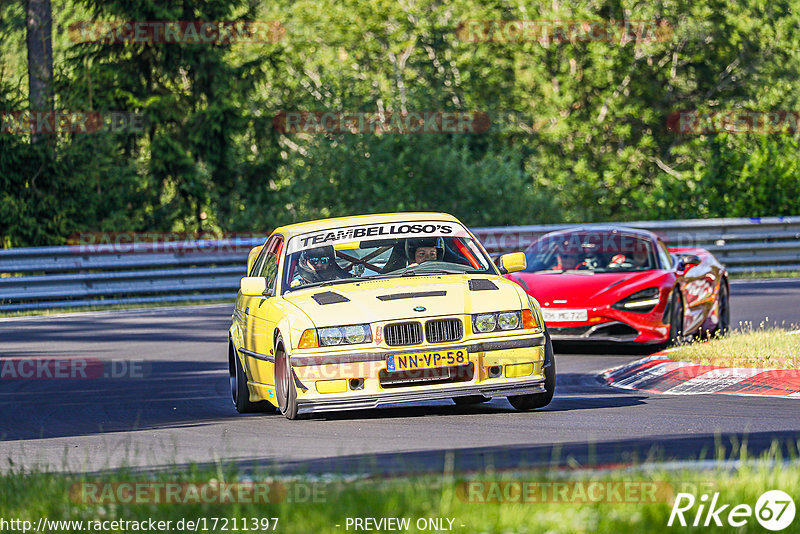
(269, 267)
(665, 258)
(257, 265)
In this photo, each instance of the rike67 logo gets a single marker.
(774, 511)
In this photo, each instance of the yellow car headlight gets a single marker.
(485, 322)
(330, 336)
(508, 320)
(502, 321)
(357, 334)
(344, 335)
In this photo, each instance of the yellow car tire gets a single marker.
(285, 390)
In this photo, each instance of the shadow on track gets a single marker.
(593, 348)
(184, 394)
(496, 406)
(115, 330)
(169, 394)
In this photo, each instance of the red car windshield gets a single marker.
(591, 252)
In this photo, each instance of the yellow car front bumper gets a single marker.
(349, 380)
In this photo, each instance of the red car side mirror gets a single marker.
(687, 261)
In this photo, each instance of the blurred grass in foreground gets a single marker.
(319, 504)
(764, 347)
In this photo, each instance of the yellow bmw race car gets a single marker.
(356, 312)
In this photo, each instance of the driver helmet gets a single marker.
(317, 256)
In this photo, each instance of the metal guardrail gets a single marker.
(112, 273)
(96, 275)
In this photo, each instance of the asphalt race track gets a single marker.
(173, 406)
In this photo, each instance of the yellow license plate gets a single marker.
(425, 360)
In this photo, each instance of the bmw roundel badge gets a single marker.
(419, 309)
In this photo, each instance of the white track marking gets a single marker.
(714, 380)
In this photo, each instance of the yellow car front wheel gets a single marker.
(284, 381)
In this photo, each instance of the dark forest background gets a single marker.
(579, 129)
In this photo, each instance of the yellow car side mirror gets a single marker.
(252, 255)
(511, 263)
(255, 286)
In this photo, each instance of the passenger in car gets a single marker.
(424, 249)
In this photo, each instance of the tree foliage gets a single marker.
(579, 128)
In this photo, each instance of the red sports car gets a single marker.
(617, 284)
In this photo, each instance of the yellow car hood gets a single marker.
(399, 297)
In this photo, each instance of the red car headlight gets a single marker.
(643, 301)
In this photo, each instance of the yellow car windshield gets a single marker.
(382, 250)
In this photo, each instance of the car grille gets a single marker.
(569, 330)
(616, 330)
(399, 334)
(443, 330)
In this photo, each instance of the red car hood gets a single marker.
(583, 290)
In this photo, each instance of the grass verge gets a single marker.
(609, 501)
(765, 347)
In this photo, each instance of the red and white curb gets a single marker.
(659, 374)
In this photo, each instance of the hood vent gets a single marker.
(481, 284)
(400, 296)
(329, 297)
